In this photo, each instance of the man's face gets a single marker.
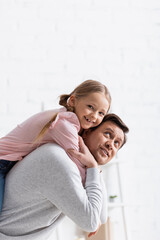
(104, 141)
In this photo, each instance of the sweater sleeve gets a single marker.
(104, 211)
(64, 189)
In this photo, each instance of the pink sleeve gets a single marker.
(64, 130)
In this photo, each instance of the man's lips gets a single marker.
(105, 152)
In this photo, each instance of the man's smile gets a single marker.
(105, 152)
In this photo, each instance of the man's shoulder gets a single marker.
(57, 164)
(56, 156)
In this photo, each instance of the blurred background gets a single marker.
(48, 47)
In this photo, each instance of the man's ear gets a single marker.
(71, 101)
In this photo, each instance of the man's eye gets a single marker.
(107, 134)
(117, 144)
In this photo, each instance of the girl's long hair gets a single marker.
(82, 90)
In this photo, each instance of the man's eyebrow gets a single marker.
(120, 139)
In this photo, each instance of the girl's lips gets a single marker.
(88, 120)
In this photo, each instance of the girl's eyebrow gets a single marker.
(94, 104)
(109, 129)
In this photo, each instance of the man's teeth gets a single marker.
(105, 152)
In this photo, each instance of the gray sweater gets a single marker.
(44, 187)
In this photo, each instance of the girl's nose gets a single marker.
(94, 115)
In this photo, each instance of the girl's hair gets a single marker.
(85, 88)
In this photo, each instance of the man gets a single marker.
(105, 140)
(46, 185)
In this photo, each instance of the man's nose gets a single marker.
(109, 145)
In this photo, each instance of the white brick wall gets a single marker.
(48, 47)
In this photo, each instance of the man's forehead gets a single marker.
(109, 124)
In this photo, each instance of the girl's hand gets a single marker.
(83, 155)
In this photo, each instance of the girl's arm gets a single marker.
(83, 155)
(64, 130)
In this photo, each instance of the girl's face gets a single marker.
(91, 109)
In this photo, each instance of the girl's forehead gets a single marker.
(96, 97)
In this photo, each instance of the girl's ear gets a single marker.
(71, 101)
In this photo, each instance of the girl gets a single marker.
(83, 108)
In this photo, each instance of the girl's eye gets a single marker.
(102, 113)
(90, 106)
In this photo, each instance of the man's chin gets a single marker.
(102, 161)
(99, 161)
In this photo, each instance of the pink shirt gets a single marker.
(64, 131)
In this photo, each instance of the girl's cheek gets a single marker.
(100, 120)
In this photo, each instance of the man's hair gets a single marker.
(117, 121)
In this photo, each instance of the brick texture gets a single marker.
(48, 47)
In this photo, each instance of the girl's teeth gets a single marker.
(88, 120)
